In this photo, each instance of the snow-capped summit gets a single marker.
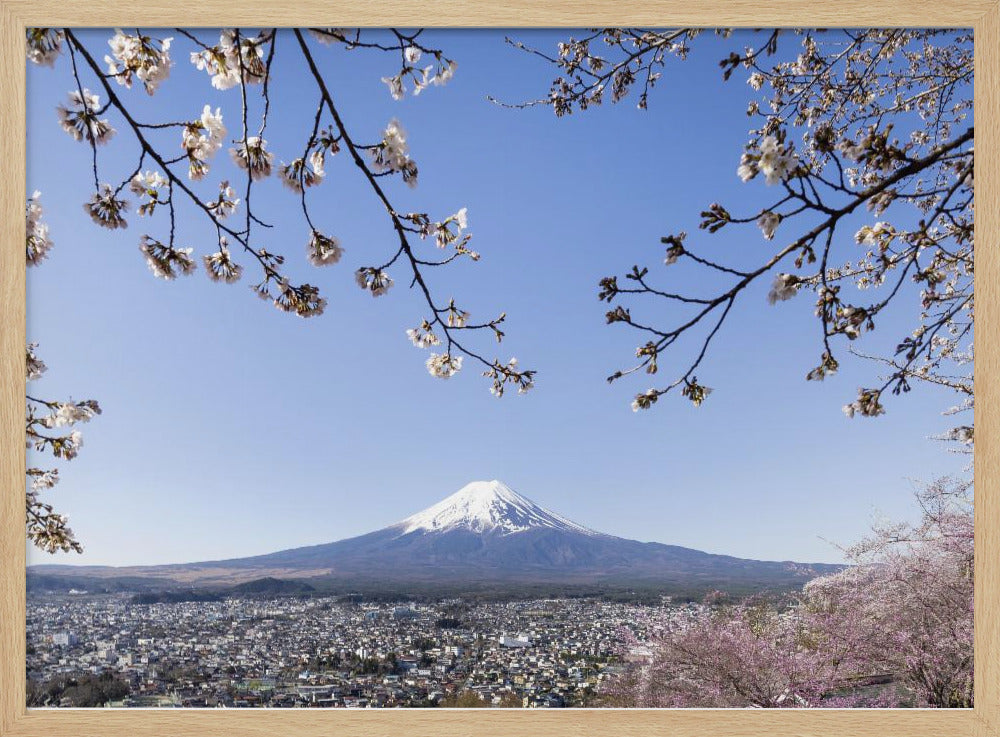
(487, 506)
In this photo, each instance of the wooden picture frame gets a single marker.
(15, 720)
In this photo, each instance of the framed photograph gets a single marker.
(460, 369)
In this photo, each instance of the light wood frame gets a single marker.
(17, 721)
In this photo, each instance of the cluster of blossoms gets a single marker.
(34, 366)
(785, 286)
(303, 300)
(323, 250)
(225, 61)
(106, 209)
(449, 232)
(45, 528)
(768, 223)
(148, 185)
(443, 365)
(66, 447)
(373, 280)
(69, 413)
(695, 391)
(456, 318)
(141, 57)
(586, 74)
(774, 160)
(645, 400)
(828, 366)
(303, 173)
(443, 234)
(37, 241)
(44, 45)
(220, 266)
(81, 120)
(225, 204)
(423, 337)
(880, 235)
(252, 155)
(165, 261)
(867, 404)
(422, 78)
(509, 373)
(393, 154)
(201, 139)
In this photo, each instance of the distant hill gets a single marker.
(272, 586)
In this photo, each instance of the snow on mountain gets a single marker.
(488, 506)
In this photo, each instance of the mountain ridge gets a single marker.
(485, 531)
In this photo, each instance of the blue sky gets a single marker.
(232, 429)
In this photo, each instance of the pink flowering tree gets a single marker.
(747, 654)
(862, 150)
(173, 182)
(906, 605)
(894, 628)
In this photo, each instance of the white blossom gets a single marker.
(457, 318)
(747, 169)
(323, 250)
(69, 413)
(443, 365)
(253, 155)
(867, 404)
(44, 45)
(226, 203)
(37, 241)
(768, 223)
(645, 400)
(392, 154)
(446, 73)
(373, 280)
(35, 366)
(80, 119)
(328, 36)
(147, 183)
(69, 446)
(423, 337)
(224, 63)
(45, 480)
(775, 162)
(872, 235)
(106, 209)
(785, 286)
(303, 300)
(165, 261)
(138, 56)
(201, 139)
(411, 54)
(220, 265)
(299, 175)
(395, 85)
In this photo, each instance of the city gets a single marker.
(332, 651)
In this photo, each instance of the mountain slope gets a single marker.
(488, 532)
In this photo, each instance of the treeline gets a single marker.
(85, 690)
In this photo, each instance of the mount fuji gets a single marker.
(484, 532)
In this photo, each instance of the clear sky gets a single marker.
(232, 429)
